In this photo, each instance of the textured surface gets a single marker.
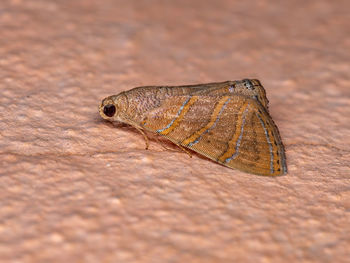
(74, 188)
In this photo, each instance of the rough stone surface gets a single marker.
(74, 188)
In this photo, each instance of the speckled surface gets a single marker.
(74, 188)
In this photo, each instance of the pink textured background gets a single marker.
(74, 188)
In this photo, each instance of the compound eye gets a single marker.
(109, 110)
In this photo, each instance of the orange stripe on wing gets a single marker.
(179, 116)
(195, 137)
(234, 143)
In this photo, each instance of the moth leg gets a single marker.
(181, 147)
(185, 150)
(144, 136)
(168, 149)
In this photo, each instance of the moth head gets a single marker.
(113, 107)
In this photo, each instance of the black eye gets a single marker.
(109, 110)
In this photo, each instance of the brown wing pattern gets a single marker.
(232, 129)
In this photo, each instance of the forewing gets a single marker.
(234, 130)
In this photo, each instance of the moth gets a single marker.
(227, 122)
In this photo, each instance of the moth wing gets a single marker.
(255, 145)
(248, 87)
(231, 129)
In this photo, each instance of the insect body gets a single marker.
(227, 122)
